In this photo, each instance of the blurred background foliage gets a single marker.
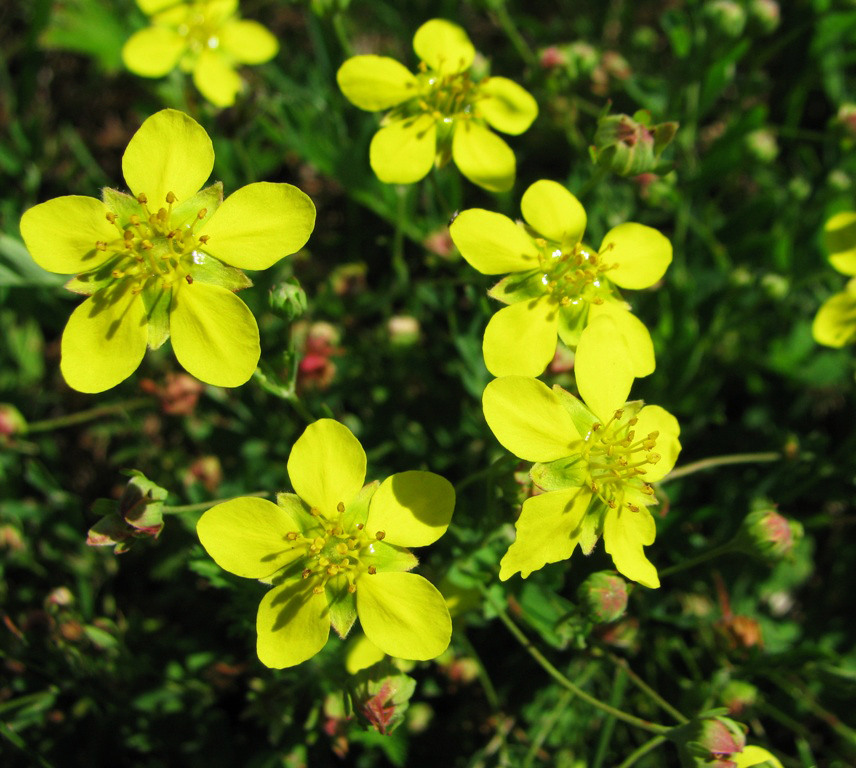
(148, 658)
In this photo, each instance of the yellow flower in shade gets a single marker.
(557, 283)
(595, 461)
(835, 322)
(164, 262)
(751, 757)
(336, 550)
(203, 37)
(440, 113)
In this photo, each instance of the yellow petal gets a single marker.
(624, 534)
(153, 51)
(169, 153)
(362, 654)
(216, 79)
(639, 344)
(482, 156)
(548, 530)
(521, 339)
(292, 624)
(835, 322)
(642, 255)
(104, 340)
(752, 756)
(327, 466)
(214, 334)
(528, 418)
(493, 243)
(444, 46)
(260, 224)
(403, 151)
(404, 615)
(553, 212)
(653, 418)
(376, 82)
(247, 537)
(839, 237)
(248, 42)
(505, 105)
(61, 234)
(603, 367)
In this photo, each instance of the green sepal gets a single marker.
(518, 287)
(124, 206)
(357, 511)
(572, 321)
(380, 695)
(582, 417)
(388, 557)
(141, 504)
(184, 212)
(156, 301)
(569, 472)
(87, 283)
(592, 525)
(342, 605)
(298, 511)
(207, 269)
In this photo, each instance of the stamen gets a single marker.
(380, 535)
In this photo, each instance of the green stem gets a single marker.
(721, 461)
(93, 413)
(203, 505)
(640, 752)
(523, 49)
(645, 688)
(341, 34)
(399, 264)
(723, 549)
(484, 678)
(546, 728)
(562, 680)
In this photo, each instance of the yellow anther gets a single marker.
(314, 511)
(653, 458)
(142, 199)
(352, 543)
(170, 197)
(352, 588)
(128, 235)
(633, 421)
(619, 413)
(162, 214)
(292, 535)
(611, 503)
(203, 239)
(135, 220)
(147, 245)
(318, 542)
(595, 487)
(323, 561)
(117, 273)
(649, 444)
(653, 435)
(189, 279)
(342, 548)
(317, 590)
(307, 572)
(360, 526)
(340, 507)
(203, 212)
(647, 489)
(380, 535)
(632, 507)
(111, 217)
(372, 570)
(596, 426)
(101, 245)
(333, 569)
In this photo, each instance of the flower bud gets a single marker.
(138, 514)
(709, 741)
(767, 534)
(727, 16)
(287, 299)
(603, 596)
(404, 331)
(738, 696)
(630, 146)
(380, 696)
(12, 421)
(762, 145)
(766, 13)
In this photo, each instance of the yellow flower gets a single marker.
(440, 113)
(558, 283)
(754, 756)
(165, 262)
(336, 550)
(835, 322)
(204, 37)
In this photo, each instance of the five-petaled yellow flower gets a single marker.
(440, 113)
(203, 37)
(336, 550)
(557, 283)
(165, 261)
(835, 322)
(595, 460)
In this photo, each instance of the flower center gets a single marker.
(199, 30)
(574, 276)
(151, 250)
(447, 97)
(617, 460)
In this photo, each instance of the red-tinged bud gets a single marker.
(12, 421)
(709, 741)
(603, 596)
(738, 696)
(630, 146)
(767, 534)
(380, 696)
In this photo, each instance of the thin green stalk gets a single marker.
(523, 49)
(723, 549)
(640, 752)
(93, 413)
(619, 685)
(484, 678)
(721, 461)
(546, 727)
(562, 680)
(399, 264)
(203, 505)
(645, 688)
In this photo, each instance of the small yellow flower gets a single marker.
(558, 284)
(203, 37)
(835, 322)
(440, 113)
(165, 262)
(336, 550)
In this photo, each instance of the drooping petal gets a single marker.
(403, 151)
(553, 212)
(492, 243)
(216, 78)
(521, 339)
(548, 530)
(412, 509)
(752, 756)
(625, 532)
(653, 418)
(169, 153)
(444, 46)
(529, 419)
(839, 237)
(483, 157)
(638, 339)
(247, 537)
(292, 624)
(642, 255)
(362, 653)
(327, 466)
(61, 234)
(376, 82)
(248, 42)
(603, 367)
(404, 615)
(214, 334)
(104, 340)
(835, 322)
(153, 51)
(260, 224)
(505, 105)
